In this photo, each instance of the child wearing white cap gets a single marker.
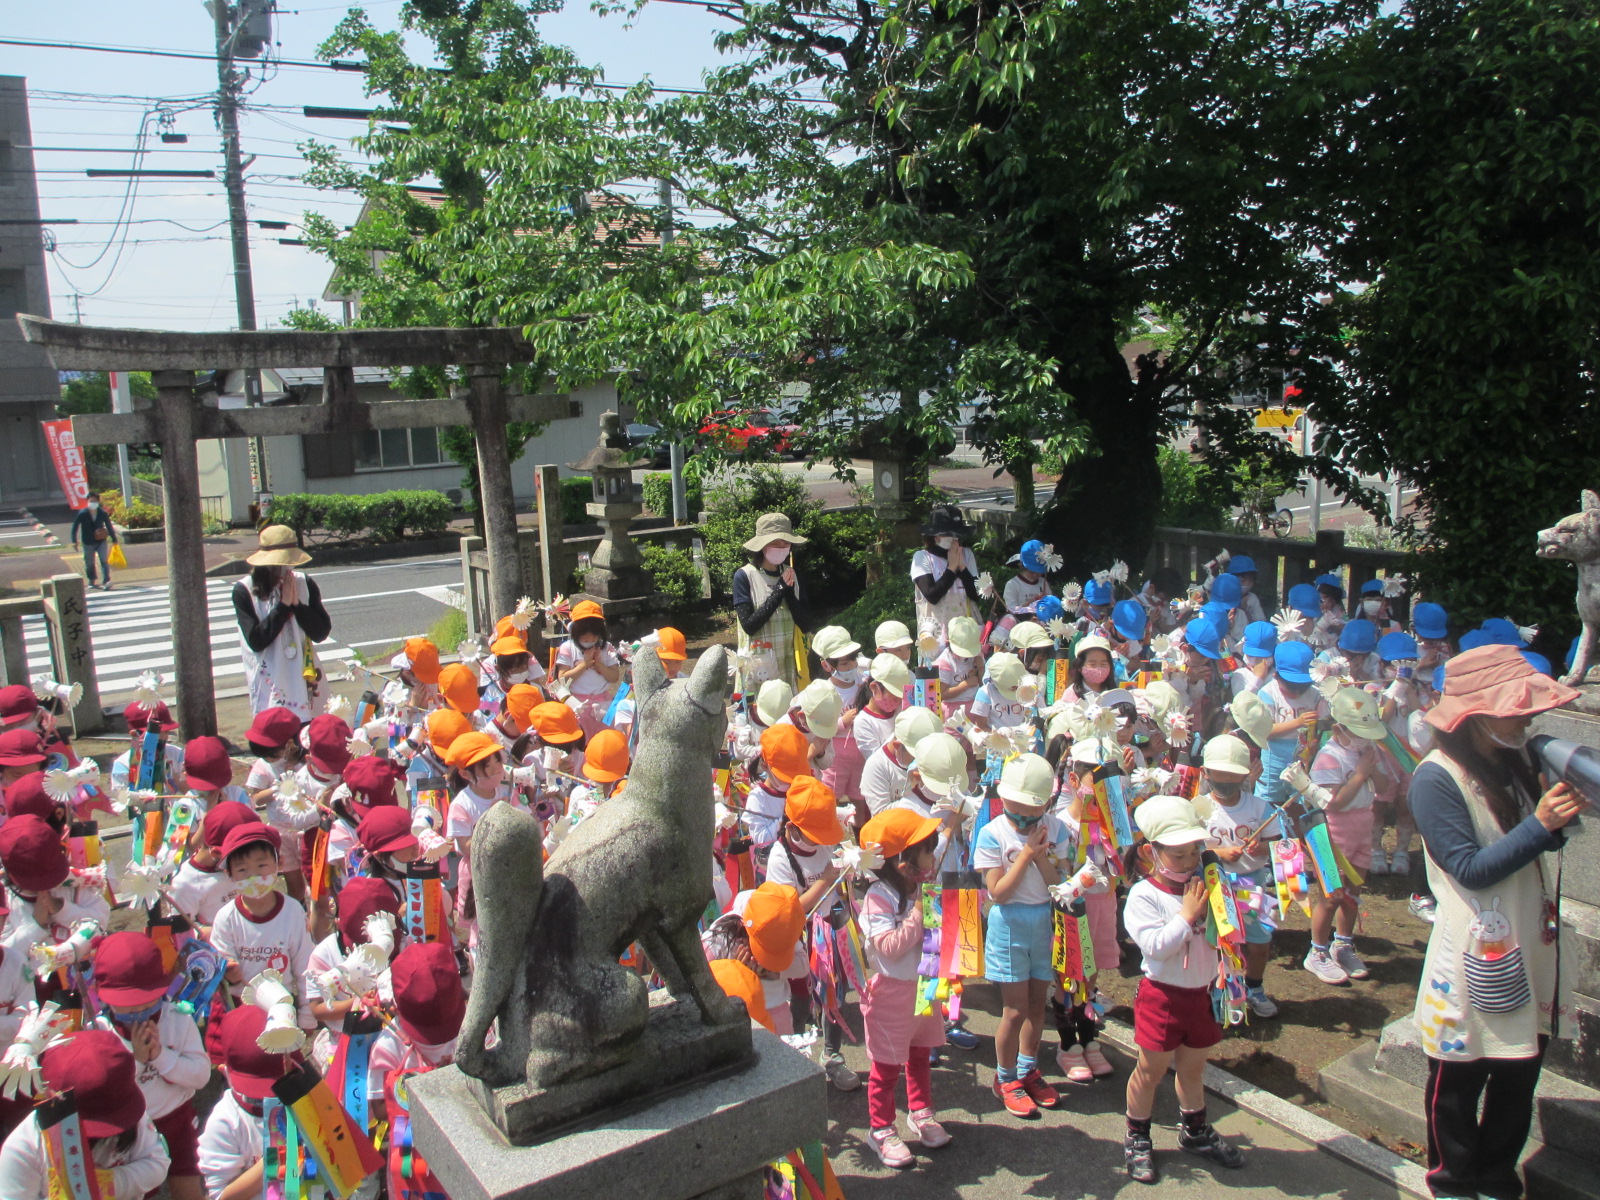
(1173, 1024)
(960, 664)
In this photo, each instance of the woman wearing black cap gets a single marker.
(944, 572)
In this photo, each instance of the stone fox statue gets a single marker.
(1577, 539)
(638, 870)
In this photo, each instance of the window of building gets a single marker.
(381, 449)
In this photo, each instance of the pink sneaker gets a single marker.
(1098, 1063)
(892, 1152)
(1073, 1065)
(930, 1133)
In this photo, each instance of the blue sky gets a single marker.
(172, 276)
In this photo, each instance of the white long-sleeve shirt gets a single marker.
(1175, 953)
(25, 1172)
(229, 1145)
(391, 1053)
(175, 1074)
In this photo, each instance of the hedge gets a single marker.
(138, 515)
(380, 517)
(658, 494)
(576, 492)
(676, 576)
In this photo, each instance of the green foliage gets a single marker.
(675, 574)
(91, 393)
(731, 510)
(887, 600)
(1471, 358)
(1190, 498)
(138, 515)
(576, 492)
(380, 517)
(310, 319)
(449, 631)
(457, 441)
(658, 494)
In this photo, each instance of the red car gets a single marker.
(756, 430)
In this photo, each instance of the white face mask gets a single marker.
(775, 555)
(94, 506)
(1515, 742)
(945, 543)
(256, 886)
(517, 677)
(1371, 607)
(1246, 587)
(847, 676)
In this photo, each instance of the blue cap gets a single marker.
(1359, 636)
(1393, 647)
(1241, 564)
(1332, 581)
(1473, 638)
(1502, 632)
(1292, 661)
(1029, 554)
(1539, 663)
(1048, 609)
(1372, 587)
(1201, 633)
(1097, 593)
(1304, 600)
(1226, 590)
(1438, 679)
(1216, 612)
(1430, 620)
(1260, 639)
(1128, 618)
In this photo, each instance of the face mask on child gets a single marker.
(775, 555)
(1024, 824)
(130, 1018)
(1371, 607)
(1096, 675)
(1174, 876)
(517, 677)
(257, 886)
(588, 641)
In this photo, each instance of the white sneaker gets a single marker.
(1320, 964)
(1349, 961)
(1380, 863)
(1424, 908)
(1260, 1003)
(1400, 864)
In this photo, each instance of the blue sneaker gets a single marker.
(960, 1038)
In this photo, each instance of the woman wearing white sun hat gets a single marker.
(769, 599)
(280, 616)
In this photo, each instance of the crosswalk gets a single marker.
(21, 530)
(131, 634)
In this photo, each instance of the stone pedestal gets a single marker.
(709, 1140)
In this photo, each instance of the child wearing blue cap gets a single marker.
(1094, 610)
(1396, 705)
(1374, 607)
(1295, 707)
(1431, 626)
(1223, 608)
(1128, 621)
(1200, 681)
(1257, 646)
(1024, 589)
(1358, 643)
(1243, 568)
(1331, 618)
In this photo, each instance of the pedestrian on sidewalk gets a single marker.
(92, 528)
(280, 617)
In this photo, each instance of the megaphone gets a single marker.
(1571, 761)
(66, 695)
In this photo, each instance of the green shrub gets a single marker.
(887, 600)
(138, 515)
(575, 494)
(449, 631)
(658, 494)
(381, 517)
(731, 512)
(842, 543)
(676, 576)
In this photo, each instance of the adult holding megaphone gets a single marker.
(1494, 980)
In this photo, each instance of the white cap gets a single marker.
(891, 671)
(1116, 696)
(1005, 673)
(1357, 711)
(913, 723)
(1251, 714)
(1163, 697)
(773, 700)
(1026, 635)
(941, 762)
(891, 635)
(1093, 642)
(1227, 754)
(819, 701)
(1027, 779)
(834, 641)
(1169, 821)
(964, 636)
(1092, 751)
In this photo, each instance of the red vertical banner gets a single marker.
(70, 467)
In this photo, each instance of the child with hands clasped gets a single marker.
(1019, 853)
(891, 924)
(1173, 1024)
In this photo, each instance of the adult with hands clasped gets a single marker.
(1495, 984)
(944, 573)
(770, 602)
(280, 616)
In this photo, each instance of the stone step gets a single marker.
(1381, 1100)
(1557, 1175)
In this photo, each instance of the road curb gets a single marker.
(1331, 1139)
(336, 556)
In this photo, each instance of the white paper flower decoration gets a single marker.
(467, 650)
(143, 881)
(47, 688)
(1048, 556)
(1160, 645)
(338, 706)
(522, 617)
(1176, 727)
(63, 785)
(147, 689)
(1395, 585)
(296, 799)
(958, 722)
(1119, 571)
(985, 584)
(1290, 625)
(1330, 687)
(358, 744)
(1102, 576)
(1150, 780)
(998, 741)
(1057, 628)
(854, 859)
(1071, 593)
(1329, 668)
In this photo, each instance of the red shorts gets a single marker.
(180, 1129)
(1166, 1017)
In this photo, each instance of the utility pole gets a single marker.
(229, 20)
(77, 308)
(680, 498)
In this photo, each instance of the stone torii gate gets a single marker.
(177, 419)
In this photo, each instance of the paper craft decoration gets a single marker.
(344, 1155)
(268, 992)
(19, 1067)
(408, 1174)
(68, 1162)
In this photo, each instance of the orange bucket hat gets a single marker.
(895, 830)
(786, 752)
(555, 723)
(741, 983)
(458, 684)
(471, 748)
(445, 725)
(424, 658)
(606, 759)
(774, 920)
(812, 808)
(520, 702)
(1495, 681)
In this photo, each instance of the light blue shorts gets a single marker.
(1017, 945)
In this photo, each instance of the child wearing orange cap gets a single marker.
(892, 927)
(605, 764)
(673, 650)
(587, 664)
(510, 663)
(561, 740)
(785, 756)
(480, 768)
(459, 689)
(416, 689)
(762, 930)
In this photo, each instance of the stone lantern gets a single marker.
(616, 570)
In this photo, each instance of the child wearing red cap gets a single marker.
(274, 738)
(170, 1061)
(99, 1071)
(201, 887)
(368, 782)
(261, 928)
(21, 754)
(429, 1002)
(230, 1147)
(140, 718)
(208, 770)
(45, 908)
(326, 743)
(359, 899)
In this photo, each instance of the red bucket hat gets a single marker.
(128, 970)
(247, 833)
(358, 900)
(98, 1070)
(223, 819)
(327, 744)
(371, 779)
(387, 829)
(27, 796)
(273, 727)
(251, 1070)
(32, 854)
(141, 719)
(20, 748)
(17, 704)
(1495, 681)
(206, 761)
(428, 996)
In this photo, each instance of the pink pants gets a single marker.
(885, 1078)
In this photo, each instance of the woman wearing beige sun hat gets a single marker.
(771, 604)
(280, 616)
